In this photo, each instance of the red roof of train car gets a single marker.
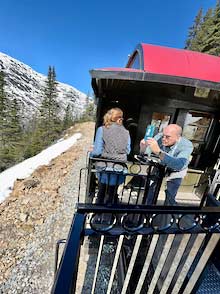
(179, 62)
(165, 65)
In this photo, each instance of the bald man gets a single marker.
(174, 152)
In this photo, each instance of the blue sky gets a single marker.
(76, 36)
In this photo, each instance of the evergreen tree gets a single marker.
(90, 110)
(10, 129)
(204, 32)
(49, 108)
(204, 35)
(49, 123)
(32, 138)
(46, 127)
(4, 108)
(34, 144)
(68, 117)
(193, 31)
(212, 39)
(2, 84)
(15, 132)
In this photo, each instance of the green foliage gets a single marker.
(205, 32)
(68, 117)
(193, 31)
(15, 132)
(204, 35)
(11, 132)
(49, 123)
(4, 109)
(18, 143)
(33, 139)
(50, 107)
(90, 110)
(212, 40)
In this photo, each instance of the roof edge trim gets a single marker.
(152, 77)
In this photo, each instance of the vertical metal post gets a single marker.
(65, 280)
(61, 241)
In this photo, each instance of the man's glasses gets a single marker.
(166, 137)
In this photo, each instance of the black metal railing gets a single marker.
(118, 244)
(115, 182)
(164, 249)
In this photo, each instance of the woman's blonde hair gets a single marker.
(112, 116)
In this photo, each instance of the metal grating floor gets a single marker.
(211, 282)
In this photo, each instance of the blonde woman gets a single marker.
(112, 142)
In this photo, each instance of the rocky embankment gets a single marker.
(38, 213)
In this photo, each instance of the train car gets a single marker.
(156, 248)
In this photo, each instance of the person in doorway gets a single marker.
(174, 152)
(112, 142)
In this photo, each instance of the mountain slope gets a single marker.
(26, 85)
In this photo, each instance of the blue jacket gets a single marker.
(176, 157)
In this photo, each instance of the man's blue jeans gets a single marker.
(171, 191)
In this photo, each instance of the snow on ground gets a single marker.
(26, 167)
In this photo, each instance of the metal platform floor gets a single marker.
(211, 281)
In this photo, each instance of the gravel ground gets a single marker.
(34, 270)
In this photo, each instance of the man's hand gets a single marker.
(152, 143)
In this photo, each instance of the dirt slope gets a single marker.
(36, 214)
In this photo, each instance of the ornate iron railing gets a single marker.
(130, 247)
(132, 178)
(158, 249)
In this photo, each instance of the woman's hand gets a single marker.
(91, 148)
(143, 146)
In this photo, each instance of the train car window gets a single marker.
(196, 126)
(160, 121)
(196, 129)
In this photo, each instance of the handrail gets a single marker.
(65, 281)
(119, 172)
(147, 209)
